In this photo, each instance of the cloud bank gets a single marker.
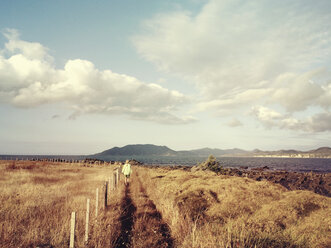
(28, 79)
(270, 118)
(245, 54)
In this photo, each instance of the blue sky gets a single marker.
(79, 77)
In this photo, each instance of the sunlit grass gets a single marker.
(37, 199)
(206, 210)
(201, 208)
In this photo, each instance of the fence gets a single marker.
(83, 162)
(102, 196)
(113, 180)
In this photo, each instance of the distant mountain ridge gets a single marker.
(154, 150)
(216, 152)
(322, 152)
(131, 150)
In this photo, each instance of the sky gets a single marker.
(79, 77)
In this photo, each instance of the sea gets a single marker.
(317, 165)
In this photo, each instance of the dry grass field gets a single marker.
(206, 210)
(160, 208)
(37, 199)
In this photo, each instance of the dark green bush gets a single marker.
(211, 164)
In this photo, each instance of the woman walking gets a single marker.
(127, 171)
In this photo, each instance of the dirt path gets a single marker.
(128, 210)
(141, 223)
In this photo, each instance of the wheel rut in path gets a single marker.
(128, 210)
(150, 230)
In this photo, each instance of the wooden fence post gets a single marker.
(106, 193)
(114, 180)
(72, 230)
(117, 176)
(109, 186)
(96, 203)
(87, 219)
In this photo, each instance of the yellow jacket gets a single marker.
(126, 170)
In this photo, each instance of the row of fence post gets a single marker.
(107, 190)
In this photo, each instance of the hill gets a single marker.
(131, 150)
(322, 152)
(143, 151)
(205, 152)
(154, 150)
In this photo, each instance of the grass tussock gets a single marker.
(24, 165)
(37, 199)
(206, 210)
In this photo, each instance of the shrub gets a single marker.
(211, 164)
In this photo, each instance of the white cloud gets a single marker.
(30, 50)
(28, 79)
(320, 122)
(245, 53)
(325, 99)
(234, 123)
(235, 44)
(233, 101)
(297, 92)
(267, 116)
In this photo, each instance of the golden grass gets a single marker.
(200, 209)
(37, 199)
(206, 210)
(149, 229)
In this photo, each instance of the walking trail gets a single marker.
(141, 223)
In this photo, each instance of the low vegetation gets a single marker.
(162, 207)
(208, 210)
(210, 164)
(37, 199)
